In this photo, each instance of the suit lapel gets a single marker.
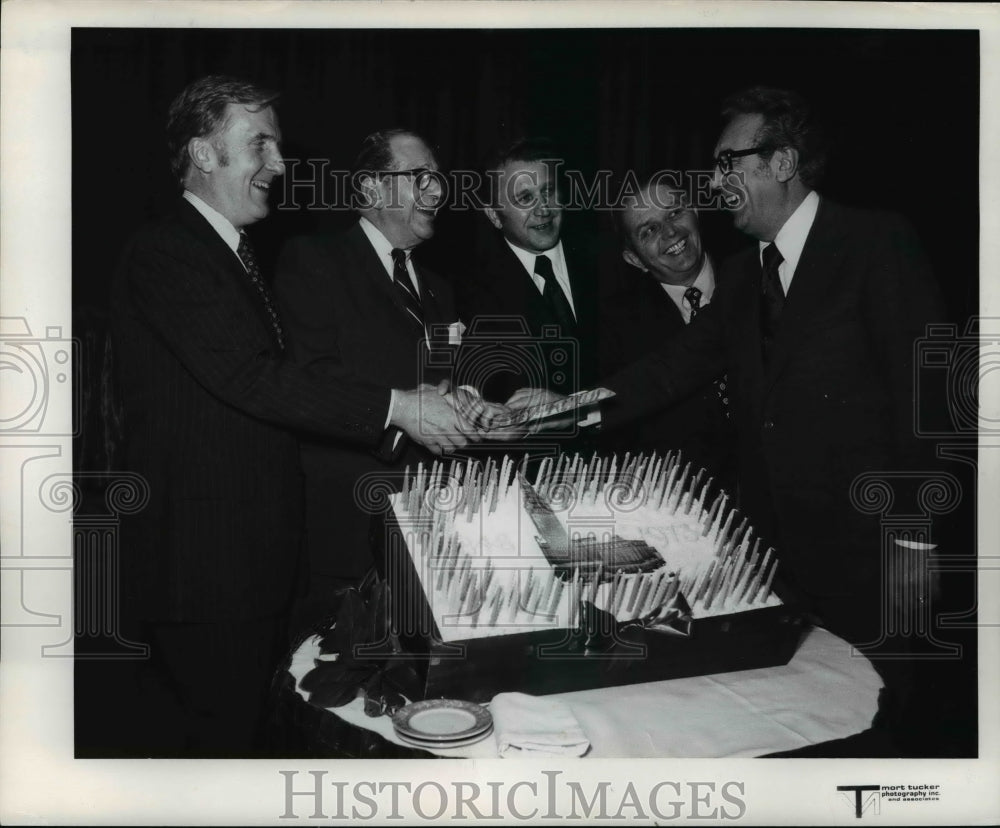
(814, 275)
(524, 286)
(219, 252)
(224, 260)
(739, 297)
(374, 273)
(580, 282)
(660, 308)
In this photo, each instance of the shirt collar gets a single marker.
(527, 258)
(791, 237)
(383, 247)
(704, 281)
(223, 226)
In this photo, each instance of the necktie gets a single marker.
(554, 297)
(245, 251)
(401, 279)
(693, 297)
(773, 296)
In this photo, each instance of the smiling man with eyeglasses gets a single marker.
(360, 300)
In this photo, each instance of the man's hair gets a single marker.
(200, 110)
(376, 154)
(537, 148)
(788, 122)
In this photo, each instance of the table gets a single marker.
(825, 692)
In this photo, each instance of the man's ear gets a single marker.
(634, 260)
(202, 154)
(371, 195)
(785, 163)
(494, 219)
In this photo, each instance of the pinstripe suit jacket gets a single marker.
(210, 402)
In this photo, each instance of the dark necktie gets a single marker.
(554, 297)
(693, 297)
(245, 251)
(772, 296)
(401, 279)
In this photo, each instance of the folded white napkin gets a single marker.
(524, 724)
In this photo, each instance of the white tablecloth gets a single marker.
(825, 692)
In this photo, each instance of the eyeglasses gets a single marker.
(724, 160)
(422, 176)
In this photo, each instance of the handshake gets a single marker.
(445, 419)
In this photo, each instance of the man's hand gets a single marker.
(483, 414)
(427, 414)
(474, 409)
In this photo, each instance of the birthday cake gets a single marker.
(581, 574)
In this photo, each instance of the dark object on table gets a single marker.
(359, 652)
(588, 557)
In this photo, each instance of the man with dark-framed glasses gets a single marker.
(359, 300)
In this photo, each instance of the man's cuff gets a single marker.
(392, 406)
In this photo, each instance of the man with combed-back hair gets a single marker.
(529, 275)
(211, 401)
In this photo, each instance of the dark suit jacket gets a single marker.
(835, 400)
(343, 313)
(635, 322)
(499, 295)
(209, 400)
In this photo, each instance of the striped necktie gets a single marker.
(401, 279)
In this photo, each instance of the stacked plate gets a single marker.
(442, 723)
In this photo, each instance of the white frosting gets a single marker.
(453, 548)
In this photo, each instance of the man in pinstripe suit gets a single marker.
(211, 565)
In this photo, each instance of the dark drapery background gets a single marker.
(903, 107)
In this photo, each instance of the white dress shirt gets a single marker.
(791, 238)
(383, 247)
(704, 281)
(559, 269)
